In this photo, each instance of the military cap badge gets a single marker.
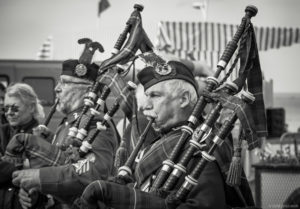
(164, 69)
(80, 70)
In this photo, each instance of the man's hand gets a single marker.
(28, 199)
(27, 179)
(42, 131)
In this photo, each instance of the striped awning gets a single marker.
(206, 41)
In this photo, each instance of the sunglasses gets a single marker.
(13, 108)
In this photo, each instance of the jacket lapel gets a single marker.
(153, 158)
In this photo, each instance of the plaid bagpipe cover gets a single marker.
(118, 197)
(40, 152)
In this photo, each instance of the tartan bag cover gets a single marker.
(243, 111)
(39, 152)
(118, 197)
(250, 70)
(116, 84)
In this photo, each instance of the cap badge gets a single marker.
(80, 70)
(76, 115)
(163, 69)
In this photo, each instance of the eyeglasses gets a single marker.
(13, 108)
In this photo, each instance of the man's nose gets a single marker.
(148, 104)
(57, 88)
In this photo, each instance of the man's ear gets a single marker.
(185, 99)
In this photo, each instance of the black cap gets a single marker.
(73, 68)
(150, 75)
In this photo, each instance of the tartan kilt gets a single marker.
(117, 196)
(38, 151)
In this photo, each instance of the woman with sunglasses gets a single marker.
(23, 112)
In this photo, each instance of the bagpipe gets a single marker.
(109, 79)
(165, 191)
(199, 135)
(110, 74)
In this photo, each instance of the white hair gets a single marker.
(178, 86)
(140, 96)
(75, 80)
(79, 90)
(28, 96)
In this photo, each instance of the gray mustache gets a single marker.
(150, 113)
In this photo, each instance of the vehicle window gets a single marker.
(4, 79)
(44, 87)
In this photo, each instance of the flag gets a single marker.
(46, 50)
(202, 6)
(103, 5)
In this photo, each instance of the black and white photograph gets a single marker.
(161, 104)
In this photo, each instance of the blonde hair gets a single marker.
(28, 96)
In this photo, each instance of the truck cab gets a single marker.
(41, 75)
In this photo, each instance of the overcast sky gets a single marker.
(25, 24)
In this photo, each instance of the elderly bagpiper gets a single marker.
(171, 93)
(56, 167)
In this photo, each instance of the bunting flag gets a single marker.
(202, 6)
(46, 51)
(102, 6)
(206, 41)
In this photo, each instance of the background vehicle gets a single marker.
(42, 76)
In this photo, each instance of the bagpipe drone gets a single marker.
(248, 108)
(109, 79)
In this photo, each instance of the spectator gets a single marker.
(23, 112)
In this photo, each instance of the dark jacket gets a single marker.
(7, 132)
(215, 173)
(8, 193)
(210, 185)
(209, 193)
(67, 182)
